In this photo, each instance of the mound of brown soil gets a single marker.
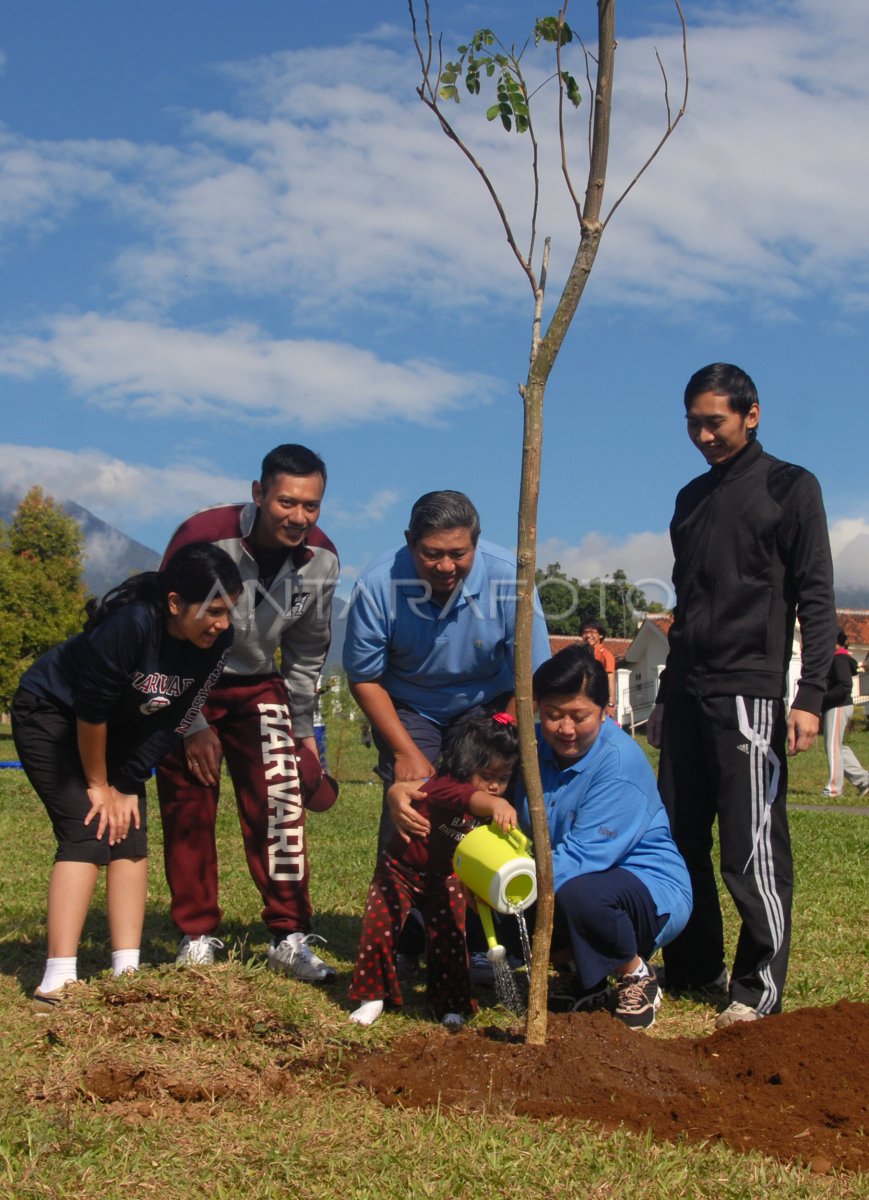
(792, 1086)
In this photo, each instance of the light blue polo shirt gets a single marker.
(439, 660)
(604, 811)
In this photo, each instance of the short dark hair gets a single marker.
(593, 623)
(443, 510)
(291, 459)
(476, 742)
(723, 379)
(569, 672)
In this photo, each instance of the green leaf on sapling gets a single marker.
(571, 87)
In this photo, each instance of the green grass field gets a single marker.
(226, 1080)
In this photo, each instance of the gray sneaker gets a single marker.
(198, 951)
(294, 956)
(736, 1012)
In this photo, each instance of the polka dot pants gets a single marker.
(394, 891)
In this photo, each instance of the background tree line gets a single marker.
(42, 594)
(567, 602)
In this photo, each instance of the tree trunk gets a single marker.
(535, 1026)
(532, 442)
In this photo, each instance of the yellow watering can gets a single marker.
(499, 870)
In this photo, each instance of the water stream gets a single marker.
(507, 987)
(519, 914)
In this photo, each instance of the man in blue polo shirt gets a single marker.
(430, 636)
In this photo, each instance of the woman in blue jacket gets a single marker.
(621, 886)
(91, 719)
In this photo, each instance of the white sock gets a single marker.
(124, 961)
(642, 971)
(58, 971)
(367, 1013)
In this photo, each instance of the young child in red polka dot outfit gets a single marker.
(478, 765)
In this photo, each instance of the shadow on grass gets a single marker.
(22, 944)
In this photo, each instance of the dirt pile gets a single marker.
(793, 1086)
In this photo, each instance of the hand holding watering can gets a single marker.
(498, 868)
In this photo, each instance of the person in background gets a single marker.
(837, 709)
(91, 719)
(593, 633)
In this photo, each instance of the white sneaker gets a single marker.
(735, 1012)
(294, 956)
(197, 952)
(367, 1013)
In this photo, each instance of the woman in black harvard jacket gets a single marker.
(92, 718)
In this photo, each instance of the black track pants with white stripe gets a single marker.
(724, 757)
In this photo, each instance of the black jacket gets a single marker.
(840, 680)
(147, 686)
(752, 552)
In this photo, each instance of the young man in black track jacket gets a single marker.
(752, 554)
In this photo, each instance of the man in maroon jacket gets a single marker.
(259, 718)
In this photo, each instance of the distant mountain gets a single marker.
(855, 597)
(109, 555)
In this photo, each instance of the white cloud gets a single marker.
(849, 541)
(646, 559)
(760, 189)
(105, 549)
(236, 374)
(119, 492)
(329, 192)
(352, 189)
(364, 513)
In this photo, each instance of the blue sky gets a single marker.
(225, 226)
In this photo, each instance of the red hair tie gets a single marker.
(503, 718)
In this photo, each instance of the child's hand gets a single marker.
(504, 815)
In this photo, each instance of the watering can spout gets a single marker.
(495, 951)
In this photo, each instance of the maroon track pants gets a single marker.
(250, 715)
(394, 891)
